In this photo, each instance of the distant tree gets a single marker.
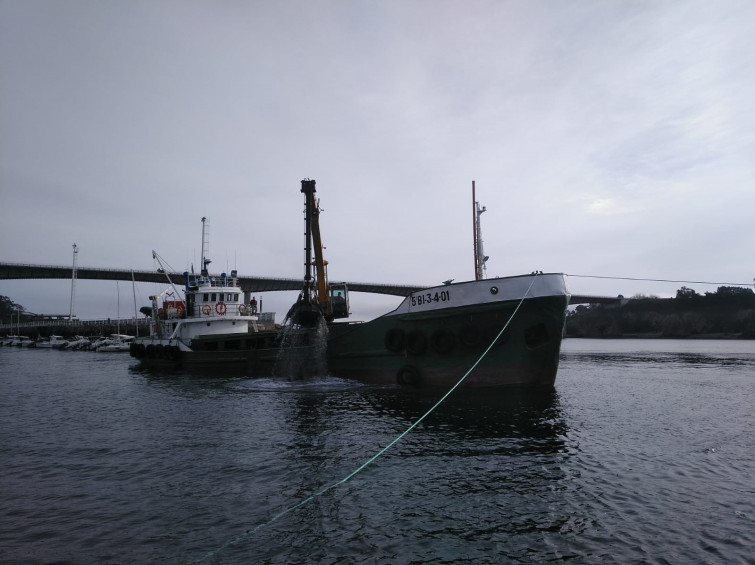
(8, 308)
(686, 294)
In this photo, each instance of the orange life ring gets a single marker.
(220, 308)
(206, 309)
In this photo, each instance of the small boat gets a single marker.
(7, 341)
(213, 327)
(116, 343)
(52, 342)
(79, 342)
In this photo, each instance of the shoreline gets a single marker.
(658, 335)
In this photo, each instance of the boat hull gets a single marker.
(490, 333)
(438, 350)
(282, 352)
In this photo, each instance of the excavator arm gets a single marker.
(322, 297)
(316, 294)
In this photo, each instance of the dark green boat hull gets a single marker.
(439, 348)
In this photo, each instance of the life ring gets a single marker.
(394, 340)
(220, 308)
(181, 309)
(442, 341)
(408, 375)
(242, 310)
(206, 309)
(415, 342)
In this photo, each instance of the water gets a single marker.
(645, 452)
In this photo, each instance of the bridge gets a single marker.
(248, 285)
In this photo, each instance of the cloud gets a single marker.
(593, 130)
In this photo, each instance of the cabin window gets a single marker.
(235, 297)
(213, 297)
(205, 297)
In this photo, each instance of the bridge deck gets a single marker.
(247, 284)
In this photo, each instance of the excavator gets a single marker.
(318, 299)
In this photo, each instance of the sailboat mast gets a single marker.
(73, 281)
(118, 309)
(136, 316)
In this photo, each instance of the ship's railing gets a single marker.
(215, 281)
(211, 310)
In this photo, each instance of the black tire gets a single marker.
(470, 336)
(442, 341)
(394, 340)
(416, 343)
(408, 375)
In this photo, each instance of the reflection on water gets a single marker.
(681, 353)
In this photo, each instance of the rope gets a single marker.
(659, 280)
(248, 533)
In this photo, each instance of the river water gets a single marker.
(644, 452)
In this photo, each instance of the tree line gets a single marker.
(727, 313)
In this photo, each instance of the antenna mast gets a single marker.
(73, 281)
(479, 255)
(205, 244)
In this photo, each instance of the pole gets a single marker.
(136, 316)
(474, 233)
(73, 282)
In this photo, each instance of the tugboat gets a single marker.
(212, 328)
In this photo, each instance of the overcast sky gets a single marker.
(605, 138)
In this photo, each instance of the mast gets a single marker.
(479, 255)
(205, 245)
(73, 281)
(118, 324)
(136, 316)
(474, 233)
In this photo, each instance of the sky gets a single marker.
(611, 139)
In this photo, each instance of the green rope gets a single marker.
(379, 453)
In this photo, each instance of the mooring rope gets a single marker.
(248, 533)
(659, 280)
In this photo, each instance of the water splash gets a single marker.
(303, 351)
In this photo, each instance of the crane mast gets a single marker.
(316, 298)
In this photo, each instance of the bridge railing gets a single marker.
(17, 327)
